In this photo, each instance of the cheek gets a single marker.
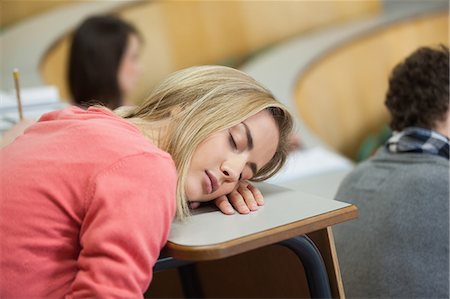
(131, 71)
(193, 186)
(128, 75)
(207, 156)
(190, 187)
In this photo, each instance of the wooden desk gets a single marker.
(286, 215)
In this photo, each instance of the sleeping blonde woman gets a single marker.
(89, 195)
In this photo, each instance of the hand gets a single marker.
(244, 198)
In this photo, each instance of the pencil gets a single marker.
(16, 83)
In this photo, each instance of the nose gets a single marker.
(232, 169)
(230, 175)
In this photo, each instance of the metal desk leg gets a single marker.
(166, 263)
(190, 281)
(187, 272)
(316, 272)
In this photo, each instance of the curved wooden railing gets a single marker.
(181, 34)
(340, 96)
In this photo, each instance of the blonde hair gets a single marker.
(203, 100)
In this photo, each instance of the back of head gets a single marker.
(203, 100)
(418, 94)
(95, 55)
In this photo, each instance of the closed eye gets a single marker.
(232, 142)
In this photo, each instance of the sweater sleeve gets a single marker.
(128, 215)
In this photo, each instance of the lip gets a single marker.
(213, 181)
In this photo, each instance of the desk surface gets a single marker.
(209, 234)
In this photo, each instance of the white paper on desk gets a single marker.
(30, 96)
(32, 112)
(308, 162)
(5, 125)
(6, 97)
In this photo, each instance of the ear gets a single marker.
(177, 110)
(443, 126)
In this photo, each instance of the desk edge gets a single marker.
(260, 239)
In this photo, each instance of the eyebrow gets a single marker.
(249, 136)
(252, 165)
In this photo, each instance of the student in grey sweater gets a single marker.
(399, 245)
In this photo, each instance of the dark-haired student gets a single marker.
(103, 68)
(104, 61)
(399, 246)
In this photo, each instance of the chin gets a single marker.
(194, 189)
(192, 195)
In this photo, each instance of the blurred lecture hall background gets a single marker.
(328, 61)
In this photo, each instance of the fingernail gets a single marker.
(230, 211)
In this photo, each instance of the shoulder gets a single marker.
(146, 179)
(417, 167)
(408, 165)
(150, 164)
(395, 173)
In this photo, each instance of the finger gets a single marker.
(224, 205)
(248, 197)
(238, 202)
(194, 205)
(256, 194)
(243, 184)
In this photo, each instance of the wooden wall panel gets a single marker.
(14, 11)
(179, 34)
(269, 272)
(341, 96)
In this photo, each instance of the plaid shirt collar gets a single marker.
(419, 140)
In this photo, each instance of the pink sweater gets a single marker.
(86, 206)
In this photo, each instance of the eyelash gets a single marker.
(233, 142)
(234, 146)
